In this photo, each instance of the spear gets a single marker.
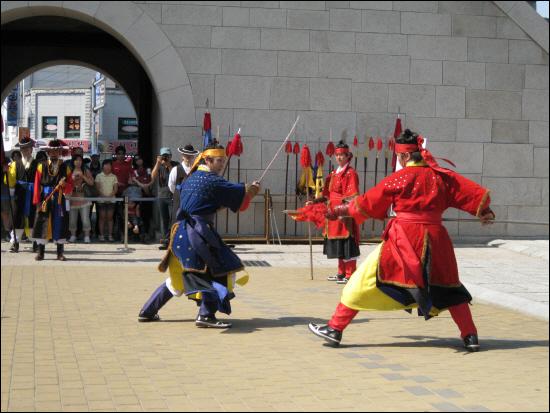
(379, 146)
(237, 150)
(387, 153)
(296, 151)
(365, 160)
(355, 144)
(228, 166)
(330, 151)
(288, 150)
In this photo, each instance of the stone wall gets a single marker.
(462, 73)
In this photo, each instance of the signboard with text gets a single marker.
(110, 146)
(99, 91)
(85, 144)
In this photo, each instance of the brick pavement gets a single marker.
(70, 341)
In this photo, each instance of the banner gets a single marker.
(85, 144)
(12, 107)
(110, 146)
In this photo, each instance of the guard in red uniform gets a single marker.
(415, 265)
(342, 235)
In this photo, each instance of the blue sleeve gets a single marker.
(229, 195)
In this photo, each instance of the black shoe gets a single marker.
(210, 322)
(14, 247)
(329, 334)
(342, 280)
(471, 343)
(336, 277)
(163, 247)
(41, 250)
(144, 319)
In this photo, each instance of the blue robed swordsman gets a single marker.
(200, 264)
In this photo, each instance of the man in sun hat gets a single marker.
(180, 174)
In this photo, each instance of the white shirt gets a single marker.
(173, 176)
(341, 168)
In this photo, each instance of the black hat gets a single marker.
(25, 143)
(188, 150)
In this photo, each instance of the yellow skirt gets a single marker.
(361, 292)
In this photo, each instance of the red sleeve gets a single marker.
(373, 204)
(37, 179)
(246, 203)
(68, 181)
(465, 194)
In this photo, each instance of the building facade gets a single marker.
(470, 76)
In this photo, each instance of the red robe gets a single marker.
(419, 196)
(340, 186)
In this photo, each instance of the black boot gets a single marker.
(40, 255)
(471, 343)
(14, 247)
(328, 333)
(60, 250)
(150, 309)
(34, 246)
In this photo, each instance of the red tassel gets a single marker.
(228, 148)
(207, 122)
(288, 147)
(319, 159)
(371, 144)
(305, 157)
(296, 149)
(391, 144)
(355, 141)
(236, 146)
(379, 144)
(330, 149)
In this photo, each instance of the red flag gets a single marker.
(296, 149)
(330, 149)
(288, 147)
(396, 134)
(207, 122)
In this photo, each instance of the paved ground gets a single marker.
(70, 340)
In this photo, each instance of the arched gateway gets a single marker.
(117, 38)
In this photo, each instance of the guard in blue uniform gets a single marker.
(201, 265)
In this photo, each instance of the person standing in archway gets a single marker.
(52, 214)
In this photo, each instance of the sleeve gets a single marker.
(466, 195)
(68, 189)
(172, 179)
(229, 195)
(12, 177)
(373, 204)
(352, 184)
(37, 189)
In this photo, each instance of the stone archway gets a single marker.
(132, 27)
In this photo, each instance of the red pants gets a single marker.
(346, 268)
(460, 313)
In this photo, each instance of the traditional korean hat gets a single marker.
(188, 150)
(25, 143)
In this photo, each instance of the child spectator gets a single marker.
(107, 186)
(81, 177)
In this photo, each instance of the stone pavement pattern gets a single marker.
(71, 341)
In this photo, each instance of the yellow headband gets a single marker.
(209, 153)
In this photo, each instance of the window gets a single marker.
(127, 128)
(72, 127)
(49, 127)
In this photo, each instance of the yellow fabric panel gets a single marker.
(361, 292)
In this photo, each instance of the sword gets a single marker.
(279, 150)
